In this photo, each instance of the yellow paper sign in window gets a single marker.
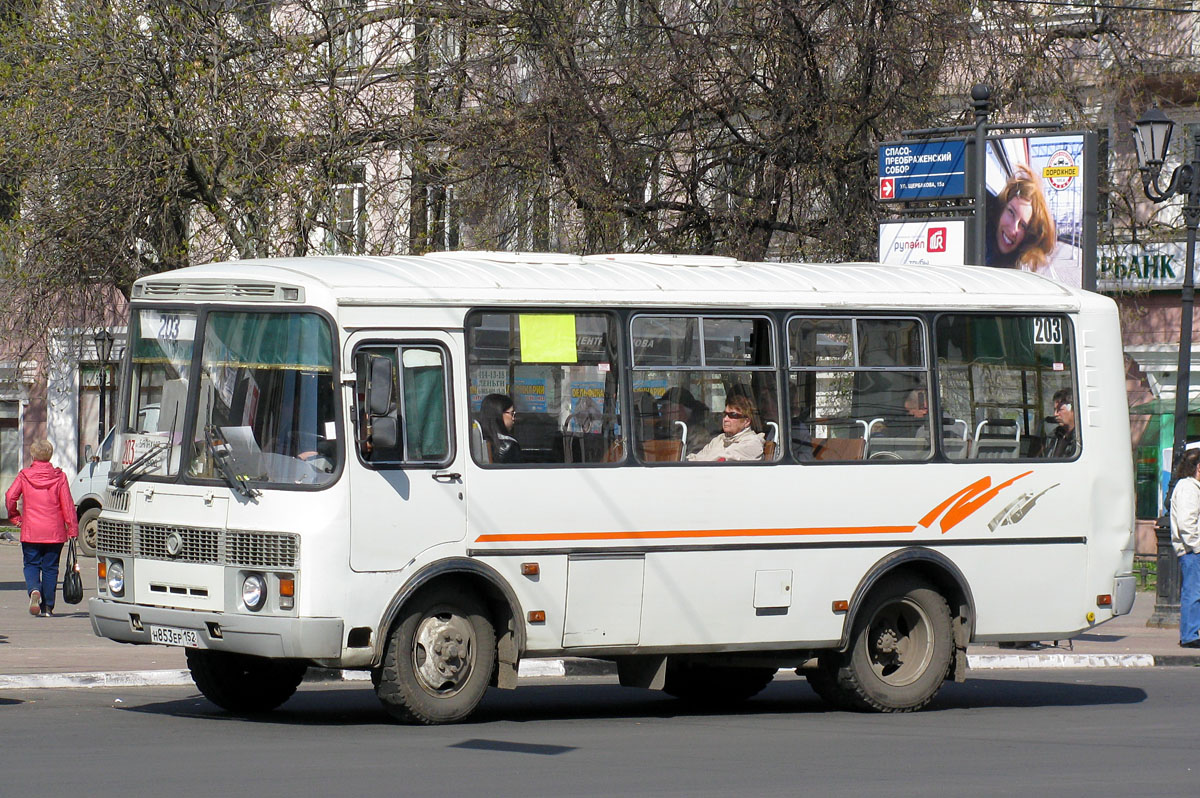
(548, 338)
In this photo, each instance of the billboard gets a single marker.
(937, 242)
(1036, 205)
(922, 170)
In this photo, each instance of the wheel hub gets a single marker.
(443, 653)
(901, 643)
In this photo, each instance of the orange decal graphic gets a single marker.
(530, 537)
(954, 510)
(966, 501)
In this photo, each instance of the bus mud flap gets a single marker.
(961, 639)
(507, 662)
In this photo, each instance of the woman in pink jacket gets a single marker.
(47, 519)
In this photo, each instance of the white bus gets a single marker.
(322, 486)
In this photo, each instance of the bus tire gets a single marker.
(89, 525)
(901, 648)
(714, 685)
(439, 658)
(244, 684)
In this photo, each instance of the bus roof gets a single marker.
(504, 278)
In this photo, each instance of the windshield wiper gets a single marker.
(141, 465)
(220, 453)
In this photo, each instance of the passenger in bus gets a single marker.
(497, 417)
(915, 421)
(678, 404)
(739, 440)
(1062, 443)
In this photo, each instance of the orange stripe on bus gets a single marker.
(529, 537)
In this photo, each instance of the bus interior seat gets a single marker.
(880, 448)
(662, 451)
(838, 448)
(770, 441)
(480, 448)
(997, 439)
(589, 441)
(955, 440)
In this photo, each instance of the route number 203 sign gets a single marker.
(1047, 330)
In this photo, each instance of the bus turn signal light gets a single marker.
(537, 616)
(841, 606)
(530, 569)
(287, 587)
(1104, 600)
(102, 569)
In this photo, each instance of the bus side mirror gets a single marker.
(379, 391)
(384, 433)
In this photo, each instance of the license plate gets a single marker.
(174, 636)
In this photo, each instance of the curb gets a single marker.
(571, 667)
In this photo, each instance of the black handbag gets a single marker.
(72, 588)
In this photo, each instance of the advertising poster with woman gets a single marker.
(1035, 205)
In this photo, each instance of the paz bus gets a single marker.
(316, 487)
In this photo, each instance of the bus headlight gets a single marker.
(254, 592)
(116, 578)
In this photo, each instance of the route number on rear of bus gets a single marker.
(1047, 330)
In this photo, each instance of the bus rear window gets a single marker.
(1006, 386)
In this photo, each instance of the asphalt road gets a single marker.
(1096, 732)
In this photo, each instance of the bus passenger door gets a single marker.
(407, 491)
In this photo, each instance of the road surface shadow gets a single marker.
(352, 704)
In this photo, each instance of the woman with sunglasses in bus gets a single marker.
(738, 439)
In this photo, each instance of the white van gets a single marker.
(90, 484)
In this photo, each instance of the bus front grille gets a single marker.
(260, 550)
(114, 536)
(190, 544)
(177, 543)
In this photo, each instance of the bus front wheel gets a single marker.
(241, 683)
(439, 659)
(89, 524)
(901, 648)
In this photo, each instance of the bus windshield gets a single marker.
(265, 409)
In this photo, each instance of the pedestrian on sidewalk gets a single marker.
(47, 519)
(1185, 539)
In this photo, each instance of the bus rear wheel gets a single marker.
(714, 685)
(439, 659)
(244, 684)
(901, 648)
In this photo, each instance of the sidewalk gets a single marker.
(62, 651)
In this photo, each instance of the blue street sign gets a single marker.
(922, 170)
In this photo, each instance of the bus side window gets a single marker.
(561, 369)
(1006, 380)
(859, 389)
(693, 366)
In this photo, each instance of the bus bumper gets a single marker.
(264, 636)
(1124, 589)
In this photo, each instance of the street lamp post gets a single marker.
(104, 344)
(1152, 136)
